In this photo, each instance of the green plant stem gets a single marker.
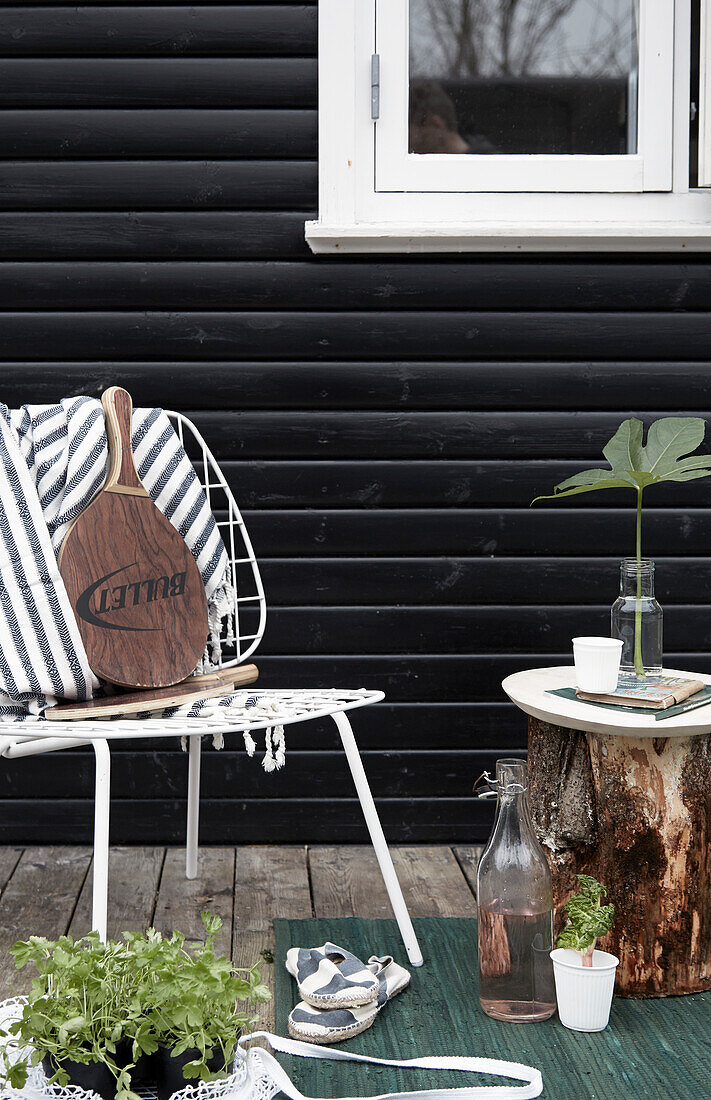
(638, 663)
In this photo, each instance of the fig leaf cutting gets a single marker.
(636, 465)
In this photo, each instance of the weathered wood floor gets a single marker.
(47, 891)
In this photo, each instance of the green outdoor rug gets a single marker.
(652, 1050)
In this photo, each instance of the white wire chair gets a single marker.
(267, 708)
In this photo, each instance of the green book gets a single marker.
(700, 699)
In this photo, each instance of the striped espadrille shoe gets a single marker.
(334, 1025)
(329, 977)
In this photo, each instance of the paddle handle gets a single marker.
(123, 476)
(228, 677)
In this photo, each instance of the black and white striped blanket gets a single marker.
(53, 460)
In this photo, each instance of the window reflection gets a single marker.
(523, 76)
(433, 123)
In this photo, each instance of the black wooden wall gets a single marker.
(384, 422)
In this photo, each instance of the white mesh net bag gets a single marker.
(257, 1075)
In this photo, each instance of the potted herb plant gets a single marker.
(200, 1005)
(81, 1005)
(584, 977)
(99, 1015)
(666, 456)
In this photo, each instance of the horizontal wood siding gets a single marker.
(384, 423)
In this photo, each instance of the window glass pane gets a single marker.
(523, 76)
(695, 93)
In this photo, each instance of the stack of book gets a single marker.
(659, 694)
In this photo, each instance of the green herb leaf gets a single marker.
(590, 888)
(17, 1076)
(587, 918)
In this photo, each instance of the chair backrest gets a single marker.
(250, 614)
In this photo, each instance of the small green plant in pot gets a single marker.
(635, 465)
(200, 1005)
(584, 977)
(588, 919)
(82, 1004)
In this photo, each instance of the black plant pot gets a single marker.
(170, 1075)
(146, 1069)
(94, 1075)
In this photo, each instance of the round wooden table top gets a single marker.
(529, 691)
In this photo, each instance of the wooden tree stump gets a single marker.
(636, 814)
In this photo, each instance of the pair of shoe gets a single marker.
(341, 996)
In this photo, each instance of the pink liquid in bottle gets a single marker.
(516, 974)
(515, 904)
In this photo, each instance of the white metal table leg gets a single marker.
(378, 839)
(191, 841)
(102, 795)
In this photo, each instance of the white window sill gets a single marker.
(510, 237)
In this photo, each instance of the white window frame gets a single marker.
(354, 216)
(705, 95)
(649, 169)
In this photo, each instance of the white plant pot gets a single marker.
(584, 993)
(597, 664)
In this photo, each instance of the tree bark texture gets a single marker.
(636, 814)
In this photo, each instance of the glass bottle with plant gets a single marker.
(588, 919)
(636, 465)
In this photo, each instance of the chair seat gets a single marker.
(249, 709)
(241, 628)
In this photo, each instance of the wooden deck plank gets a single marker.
(39, 900)
(247, 951)
(181, 900)
(468, 856)
(346, 881)
(269, 882)
(9, 858)
(432, 882)
(134, 875)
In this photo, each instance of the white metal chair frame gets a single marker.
(272, 708)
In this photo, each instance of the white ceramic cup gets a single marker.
(597, 663)
(584, 993)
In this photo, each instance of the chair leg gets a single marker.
(191, 841)
(378, 839)
(102, 795)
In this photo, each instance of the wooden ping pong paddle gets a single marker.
(208, 686)
(134, 586)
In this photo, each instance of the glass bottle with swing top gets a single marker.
(515, 908)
